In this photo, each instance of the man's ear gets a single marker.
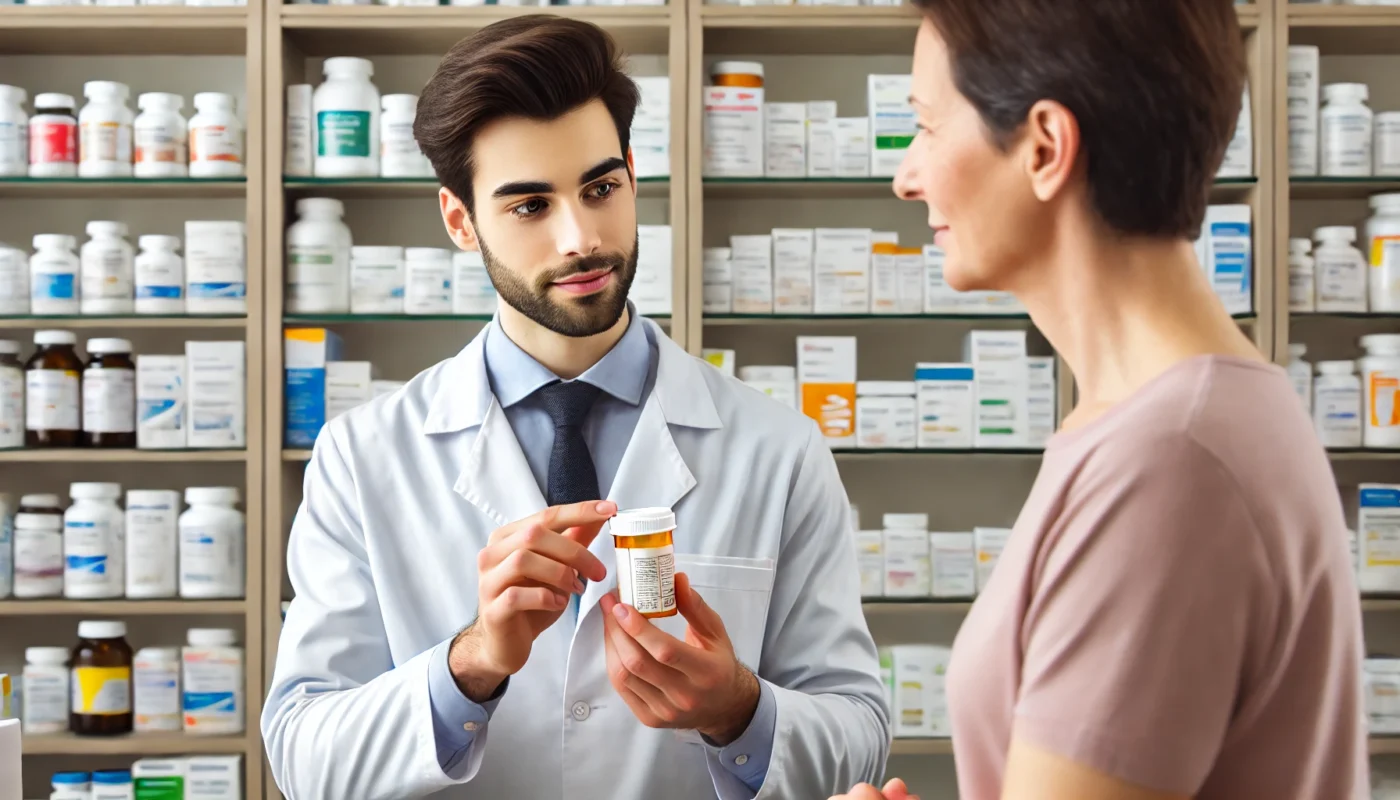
(457, 221)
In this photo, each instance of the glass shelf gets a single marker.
(1357, 315)
(868, 187)
(414, 187)
(22, 186)
(300, 319)
(1329, 187)
(293, 181)
(980, 452)
(126, 320)
(745, 319)
(26, 180)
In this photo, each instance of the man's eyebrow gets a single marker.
(602, 168)
(516, 188)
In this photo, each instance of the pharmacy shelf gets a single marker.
(123, 30)
(332, 30)
(752, 320)
(365, 319)
(1332, 188)
(844, 456)
(140, 744)
(121, 608)
(890, 607)
(866, 188)
(1384, 745)
(394, 188)
(1345, 29)
(134, 321)
(1348, 455)
(1380, 604)
(79, 455)
(921, 747)
(123, 188)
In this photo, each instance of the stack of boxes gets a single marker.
(320, 386)
(915, 678)
(651, 287)
(195, 401)
(906, 560)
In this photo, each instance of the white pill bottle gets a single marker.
(427, 280)
(211, 544)
(152, 535)
(53, 275)
(1383, 253)
(346, 128)
(398, 150)
(155, 683)
(160, 136)
(216, 137)
(105, 131)
(108, 279)
(1341, 270)
(318, 258)
(14, 132)
(1337, 404)
(1302, 276)
(14, 281)
(160, 276)
(1300, 372)
(213, 682)
(46, 694)
(94, 543)
(1380, 378)
(1346, 130)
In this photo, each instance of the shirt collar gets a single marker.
(515, 374)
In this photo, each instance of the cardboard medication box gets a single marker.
(919, 692)
(216, 395)
(826, 377)
(307, 351)
(733, 132)
(651, 128)
(1225, 251)
(348, 384)
(870, 557)
(1378, 533)
(751, 260)
(892, 122)
(990, 543)
(945, 402)
(651, 288)
(841, 269)
(793, 254)
(1001, 377)
(785, 140)
(161, 402)
(953, 564)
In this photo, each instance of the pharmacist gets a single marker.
(438, 639)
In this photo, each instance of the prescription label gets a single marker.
(1380, 396)
(343, 133)
(646, 578)
(53, 143)
(52, 400)
(102, 691)
(105, 141)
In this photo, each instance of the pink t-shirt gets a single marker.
(1176, 606)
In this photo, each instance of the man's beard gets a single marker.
(586, 315)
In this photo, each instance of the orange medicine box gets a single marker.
(826, 377)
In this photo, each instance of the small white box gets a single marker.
(886, 415)
(906, 563)
(217, 395)
(821, 139)
(717, 298)
(778, 382)
(952, 564)
(159, 777)
(347, 386)
(1225, 252)
(751, 258)
(214, 778)
(472, 290)
(717, 274)
(298, 131)
(792, 270)
(909, 263)
(920, 705)
(892, 122)
(841, 269)
(870, 556)
(1239, 155)
(884, 272)
(939, 297)
(990, 542)
(733, 132)
(1304, 69)
(998, 359)
(651, 288)
(722, 360)
(826, 378)
(852, 147)
(785, 140)
(651, 128)
(161, 402)
(1382, 683)
(1040, 399)
(1378, 535)
(945, 394)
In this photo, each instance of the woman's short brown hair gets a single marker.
(1154, 84)
(537, 66)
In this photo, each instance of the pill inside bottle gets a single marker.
(646, 560)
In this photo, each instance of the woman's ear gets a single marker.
(457, 221)
(1052, 148)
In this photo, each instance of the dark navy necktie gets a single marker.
(572, 478)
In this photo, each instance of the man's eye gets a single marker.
(604, 189)
(529, 208)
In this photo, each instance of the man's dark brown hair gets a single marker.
(1154, 84)
(537, 66)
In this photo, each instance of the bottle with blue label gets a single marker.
(94, 543)
(53, 275)
(346, 129)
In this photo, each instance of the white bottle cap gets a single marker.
(169, 655)
(916, 522)
(737, 68)
(152, 498)
(213, 101)
(12, 94)
(427, 254)
(39, 522)
(9, 347)
(106, 90)
(95, 491)
(320, 206)
(101, 629)
(642, 521)
(52, 241)
(886, 388)
(1389, 201)
(160, 101)
(46, 656)
(1299, 247)
(212, 637)
(155, 241)
(1335, 234)
(1297, 350)
(211, 495)
(1346, 92)
(399, 103)
(1384, 344)
(53, 100)
(1336, 367)
(347, 66)
(39, 500)
(100, 346)
(51, 338)
(98, 228)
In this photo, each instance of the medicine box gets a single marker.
(651, 288)
(884, 272)
(307, 351)
(1239, 154)
(651, 128)
(722, 360)
(216, 395)
(1381, 677)
(953, 564)
(472, 290)
(945, 403)
(1040, 400)
(717, 274)
(161, 402)
(821, 139)
(348, 384)
(1000, 379)
(886, 415)
(1304, 64)
(793, 253)
(841, 268)
(909, 263)
(852, 147)
(1378, 533)
(990, 542)
(733, 132)
(778, 382)
(826, 378)
(906, 563)
(1225, 252)
(939, 297)
(381, 388)
(870, 557)
(920, 706)
(298, 131)
(159, 778)
(785, 140)
(751, 259)
(214, 778)
(892, 122)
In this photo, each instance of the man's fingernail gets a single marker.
(578, 586)
(620, 611)
(605, 507)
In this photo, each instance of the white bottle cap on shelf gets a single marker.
(211, 495)
(46, 656)
(101, 629)
(1335, 234)
(95, 491)
(100, 346)
(212, 637)
(55, 337)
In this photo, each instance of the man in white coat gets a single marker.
(455, 627)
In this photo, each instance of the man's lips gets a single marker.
(585, 283)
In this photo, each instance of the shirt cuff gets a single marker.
(747, 757)
(456, 719)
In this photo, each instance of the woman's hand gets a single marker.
(894, 790)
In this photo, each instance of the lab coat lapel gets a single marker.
(497, 478)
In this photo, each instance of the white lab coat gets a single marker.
(402, 493)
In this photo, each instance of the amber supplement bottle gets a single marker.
(646, 560)
(52, 393)
(101, 680)
(109, 394)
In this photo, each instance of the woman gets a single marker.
(1175, 615)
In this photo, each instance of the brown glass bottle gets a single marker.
(53, 395)
(101, 680)
(109, 394)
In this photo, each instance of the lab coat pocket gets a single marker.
(738, 589)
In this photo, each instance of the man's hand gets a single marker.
(526, 574)
(894, 790)
(697, 684)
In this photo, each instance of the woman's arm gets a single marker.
(1036, 774)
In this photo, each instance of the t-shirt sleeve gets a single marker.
(1147, 590)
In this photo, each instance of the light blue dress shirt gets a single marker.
(626, 376)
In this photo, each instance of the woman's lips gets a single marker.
(940, 237)
(587, 283)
